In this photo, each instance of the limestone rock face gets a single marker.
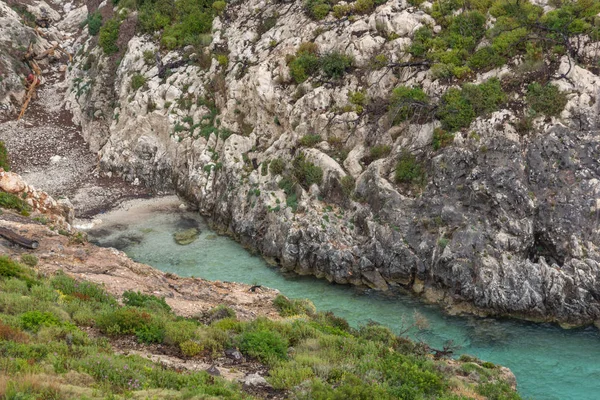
(503, 222)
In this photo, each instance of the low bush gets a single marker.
(545, 99)
(132, 321)
(408, 103)
(306, 172)
(378, 151)
(277, 166)
(138, 299)
(10, 201)
(408, 169)
(190, 348)
(34, 320)
(178, 332)
(220, 312)
(459, 107)
(94, 23)
(265, 345)
(137, 81)
(441, 138)
(29, 259)
(317, 9)
(109, 34)
(12, 269)
(288, 308)
(348, 184)
(84, 291)
(310, 140)
(335, 65)
(303, 66)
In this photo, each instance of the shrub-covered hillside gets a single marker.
(66, 339)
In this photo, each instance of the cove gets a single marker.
(549, 362)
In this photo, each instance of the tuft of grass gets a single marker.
(10, 201)
(310, 140)
(137, 81)
(545, 99)
(306, 172)
(4, 160)
(288, 308)
(408, 169)
(109, 34)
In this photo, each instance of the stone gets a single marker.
(234, 354)
(254, 380)
(187, 236)
(213, 370)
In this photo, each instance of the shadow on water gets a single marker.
(550, 363)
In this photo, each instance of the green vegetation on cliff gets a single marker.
(47, 351)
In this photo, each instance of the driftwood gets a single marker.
(18, 239)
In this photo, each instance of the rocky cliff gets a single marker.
(378, 144)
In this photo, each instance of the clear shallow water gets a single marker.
(549, 362)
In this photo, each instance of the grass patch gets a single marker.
(10, 201)
(4, 160)
(109, 34)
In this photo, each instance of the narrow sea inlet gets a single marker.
(549, 362)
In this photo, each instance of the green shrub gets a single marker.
(497, 391)
(363, 6)
(4, 160)
(94, 22)
(458, 108)
(138, 299)
(303, 66)
(223, 60)
(421, 42)
(277, 166)
(485, 97)
(34, 320)
(219, 6)
(317, 9)
(408, 103)
(547, 99)
(455, 111)
(335, 65)
(310, 140)
(190, 348)
(408, 169)
(348, 183)
(29, 260)
(288, 308)
(377, 333)
(128, 321)
(149, 57)
(220, 312)
(379, 151)
(178, 332)
(306, 172)
(441, 138)
(84, 291)
(264, 345)
(137, 81)
(10, 201)
(485, 59)
(109, 34)
(12, 269)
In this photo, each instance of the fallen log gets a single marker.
(18, 239)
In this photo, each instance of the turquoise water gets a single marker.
(549, 362)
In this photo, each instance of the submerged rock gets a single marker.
(187, 236)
